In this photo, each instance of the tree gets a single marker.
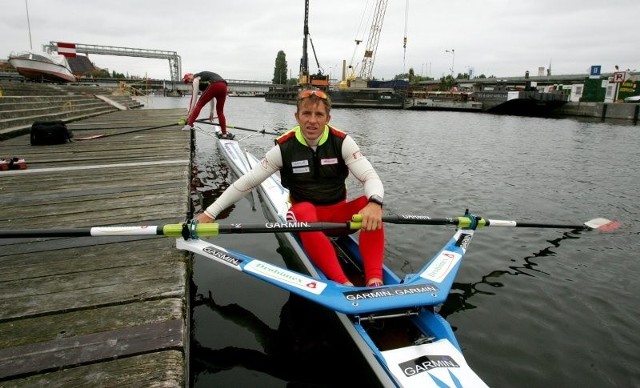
(412, 77)
(446, 83)
(280, 69)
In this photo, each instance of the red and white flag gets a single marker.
(67, 49)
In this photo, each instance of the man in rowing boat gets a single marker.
(212, 86)
(314, 160)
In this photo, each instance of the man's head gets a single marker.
(315, 96)
(313, 112)
(188, 78)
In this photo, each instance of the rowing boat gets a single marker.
(424, 351)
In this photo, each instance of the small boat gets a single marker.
(396, 327)
(438, 100)
(42, 66)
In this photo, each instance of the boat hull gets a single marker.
(520, 103)
(381, 98)
(431, 104)
(41, 70)
(377, 98)
(282, 95)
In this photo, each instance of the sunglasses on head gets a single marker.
(309, 93)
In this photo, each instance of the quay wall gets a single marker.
(600, 110)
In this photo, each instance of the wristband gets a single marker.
(376, 199)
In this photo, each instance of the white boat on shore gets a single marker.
(42, 66)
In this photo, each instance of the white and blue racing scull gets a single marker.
(425, 352)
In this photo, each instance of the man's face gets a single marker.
(312, 117)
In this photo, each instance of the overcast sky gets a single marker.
(239, 39)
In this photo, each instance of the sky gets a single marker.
(240, 39)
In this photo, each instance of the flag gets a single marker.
(67, 49)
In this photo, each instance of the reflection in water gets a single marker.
(309, 348)
(458, 299)
(303, 340)
(209, 183)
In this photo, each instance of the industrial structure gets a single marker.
(175, 64)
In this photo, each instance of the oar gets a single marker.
(465, 221)
(262, 131)
(121, 133)
(195, 230)
(187, 230)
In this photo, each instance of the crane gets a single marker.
(366, 66)
(305, 79)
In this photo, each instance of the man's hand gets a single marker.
(204, 218)
(371, 217)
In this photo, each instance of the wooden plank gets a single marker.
(146, 370)
(86, 284)
(81, 350)
(73, 203)
(67, 324)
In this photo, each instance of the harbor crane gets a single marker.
(366, 66)
(305, 79)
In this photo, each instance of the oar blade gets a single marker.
(603, 224)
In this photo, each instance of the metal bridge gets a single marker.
(175, 64)
(175, 67)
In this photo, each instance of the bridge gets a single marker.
(175, 65)
(175, 69)
(158, 86)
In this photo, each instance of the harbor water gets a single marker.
(531, 307)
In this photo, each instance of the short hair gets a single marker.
(309, 93)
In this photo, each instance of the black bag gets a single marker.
(50, 132)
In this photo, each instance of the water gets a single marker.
(531, 307)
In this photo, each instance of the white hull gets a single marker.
(41, 67)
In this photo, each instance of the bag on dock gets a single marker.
(50, 132)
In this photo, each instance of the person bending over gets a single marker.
(314, 160)
(214, 90)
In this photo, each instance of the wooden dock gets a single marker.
(97, 311)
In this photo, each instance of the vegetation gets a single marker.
(280, 69)
(446, 82)
(103, 73)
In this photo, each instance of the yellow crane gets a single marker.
(366, 66)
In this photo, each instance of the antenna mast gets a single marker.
(28, 24)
